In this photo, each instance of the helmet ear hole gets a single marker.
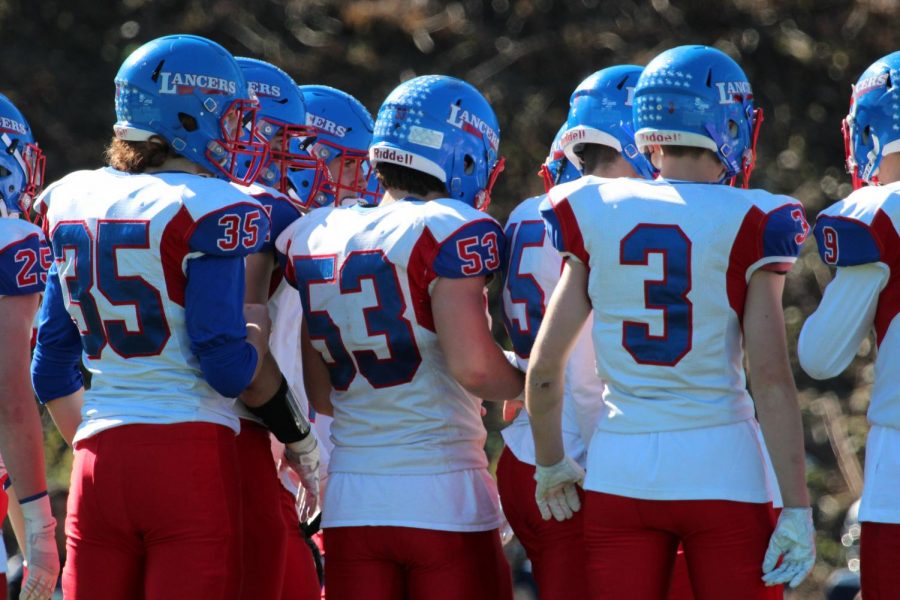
(733, 129)
(866, 135)
(187, 121)
(468, 165)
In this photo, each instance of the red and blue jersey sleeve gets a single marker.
(768, 240)
(562, 228)
(23, 265)
(765, 240)
(282, 212)
(846, 242)
(783, 233)
(233, 230)
(473, 250)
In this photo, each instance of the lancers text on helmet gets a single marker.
(326, 125)
(185, 83)
(729, 91)
(265, 90)
(869, 83)
(12, 126)
(466, 121)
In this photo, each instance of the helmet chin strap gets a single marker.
(850, 161)
(750, 161)
(492, 179)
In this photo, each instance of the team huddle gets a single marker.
(282, 306)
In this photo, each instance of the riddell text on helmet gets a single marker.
(392, 155)
(658, 137)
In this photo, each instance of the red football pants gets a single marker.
(879, 558)
(263, 532)
(301, 582)
(387, 563)
(555, 549)
(631, 546)
(154, 513)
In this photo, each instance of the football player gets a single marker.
(860, 235)
(342, 129)
(266, 549)
(397, 345)
(148, 285)
(343, 132)
(24, 260)
(680, 273)
(597, 139)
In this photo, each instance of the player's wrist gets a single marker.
(302, 447)
(286, 422)
(36, 504)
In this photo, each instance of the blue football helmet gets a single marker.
(872, 129)
(557, 168)
(600, 113)
(698, 96)
(21, 162)
(343, 128)
(189, 91)
(444, 127)
(281, 125)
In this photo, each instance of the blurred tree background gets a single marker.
(60, 58)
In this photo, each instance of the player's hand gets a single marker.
(794, 539)
(303, 458)
(41, 557)
(556, 493)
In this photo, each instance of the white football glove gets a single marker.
(506, 530)
(41, 557)
(303, 458)
(556, 493)
(794, 538)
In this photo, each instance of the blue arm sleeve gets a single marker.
(214, 301)
(55, 367)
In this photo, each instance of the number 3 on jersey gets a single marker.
(669, 294)
(384, 319)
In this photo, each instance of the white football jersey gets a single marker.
(860, 235)
(122, 243)
(24, 258)
(669, 265)
(365, 276)
(532, 269)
